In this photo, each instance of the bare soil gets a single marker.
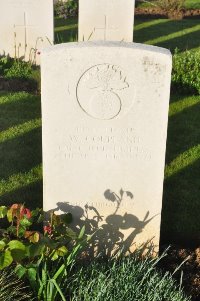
(15, 85)
(156, 12)
(190, 269)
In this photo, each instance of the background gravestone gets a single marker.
(26, 26)
(106, 20)
(104, 136)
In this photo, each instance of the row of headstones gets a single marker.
(27, 26)
(104, 115)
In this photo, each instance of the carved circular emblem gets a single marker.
(99, 91)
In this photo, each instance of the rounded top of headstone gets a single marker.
(110, 44)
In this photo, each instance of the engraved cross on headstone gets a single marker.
(106, 28)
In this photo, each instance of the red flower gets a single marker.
(47, 229)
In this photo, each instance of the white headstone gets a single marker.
(105, 113)
(26, 26)
(105, 20)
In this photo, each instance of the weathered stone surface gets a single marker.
(106, 20)
(26, 26)
(105, 112)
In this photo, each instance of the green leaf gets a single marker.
(20, 271)
(35, 249)
(2, 245)
(35, 212)
(25, 223)
(62, 251)
(70, 233)
(50, 243)
(44, 275)
(18, 254)
(5, 259)
(16, 244)
(3, 211)
(58, 289)
(35, 237)
(60, 272)
(18, 250)
(55, 256)
(82, 232)
(32, 274)
(9, 215)
(12, 229)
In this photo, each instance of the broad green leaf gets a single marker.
(35, 238)
(18, 254)
(20, 270)
(9, 215)
(2, 245)
(62, 251)
(32, 236)
(16, 244)
(35, 212)
(32, 274)
(3, 211)
(25, 222)
(18, 250)
(5, 259)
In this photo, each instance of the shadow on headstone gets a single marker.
(108, 232)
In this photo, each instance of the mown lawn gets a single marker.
(20, 149)
(20, 136)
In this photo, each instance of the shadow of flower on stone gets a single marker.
(108, 237)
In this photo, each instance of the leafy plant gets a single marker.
(66, 9)
(19, 69)
(186, 72)
(11, 288)
(44, 259)
(124, 279)
(5, 63)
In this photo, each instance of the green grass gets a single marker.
(181, 206)
(66, 30)
(20, 149)
(128, 279)
(183, 34)
(20, 135)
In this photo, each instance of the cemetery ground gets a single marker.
(21, 148)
